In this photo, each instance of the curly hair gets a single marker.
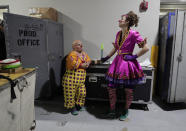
(132, 18)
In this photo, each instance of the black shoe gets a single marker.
(74, 111)
(80, 108)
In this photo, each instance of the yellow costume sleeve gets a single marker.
(72, 61)
(87, 58)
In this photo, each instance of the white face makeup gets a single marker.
(78, 46)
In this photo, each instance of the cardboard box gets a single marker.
(44, 13)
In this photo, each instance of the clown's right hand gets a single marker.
(83, 66)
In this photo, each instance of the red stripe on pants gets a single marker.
(128, 97)
(112, 97)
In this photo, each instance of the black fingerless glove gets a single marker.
(104, 59)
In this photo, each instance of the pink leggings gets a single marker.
(113, 97)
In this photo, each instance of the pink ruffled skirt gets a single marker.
(122, 73)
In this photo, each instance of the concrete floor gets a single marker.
(51, 116)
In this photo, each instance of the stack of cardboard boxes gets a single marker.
(44, 13)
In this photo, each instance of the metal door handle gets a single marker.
(179, 58)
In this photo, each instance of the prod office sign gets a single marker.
(28, 35)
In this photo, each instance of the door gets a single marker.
(175, 88)
(26, 39)
(166, 45)
(180, 92)
(55, 53)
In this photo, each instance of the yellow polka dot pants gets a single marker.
(74, 88)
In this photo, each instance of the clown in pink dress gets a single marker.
(121, 71)
(125, 71)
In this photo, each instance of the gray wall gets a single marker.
(95, 21)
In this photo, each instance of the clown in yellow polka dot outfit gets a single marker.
(73, 80)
